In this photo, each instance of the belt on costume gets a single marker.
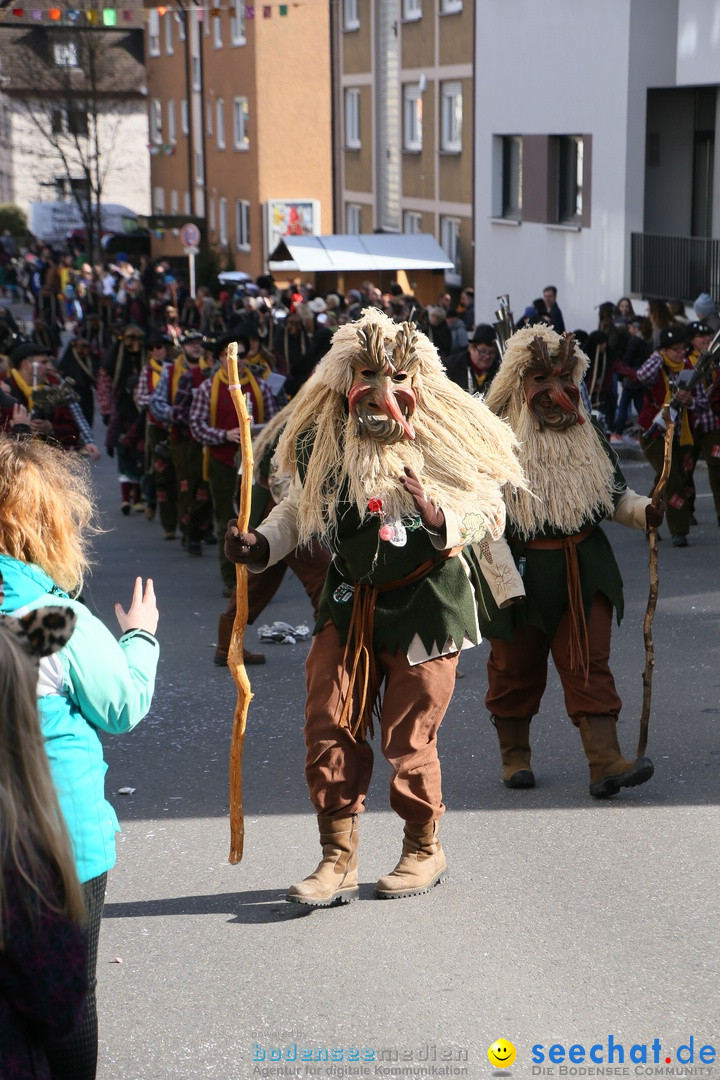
(579, 642)
(549, 544)
(359, 655)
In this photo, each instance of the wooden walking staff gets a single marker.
(236, 651)
(653, 594)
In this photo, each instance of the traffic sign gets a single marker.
(190, 235)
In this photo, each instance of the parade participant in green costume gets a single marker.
(397, 470)
(561, 561)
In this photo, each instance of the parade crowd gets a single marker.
(429, 477)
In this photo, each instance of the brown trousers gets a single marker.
(338, 767)
(517, 670)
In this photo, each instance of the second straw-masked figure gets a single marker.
(397, 470)
(561, 560)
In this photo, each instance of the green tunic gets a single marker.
(544, 576)
(440, 607)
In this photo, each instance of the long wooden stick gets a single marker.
(654, 584)
(236, 650)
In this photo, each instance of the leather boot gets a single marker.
(609, 770)
(225, 629)
(514, 735)
(422, 863)
(336, 879)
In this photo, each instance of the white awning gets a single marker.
(375, 251)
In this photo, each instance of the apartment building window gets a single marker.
(198, 167)
(158, 200)
(184, 117)
(70, 188)
(450, 240)
(353, 219)
(196, 73)
(351, 16)
(451, 119)
(172, 127)
(220, 110)
(180, 20)
(168, 34)
(352, 119)
(450, 7)
(242, 224)
(210, 120)
(223, 237)
(173, 202)
(412, 9)
(237, 22)
(65, 54)
(241, 114)
(187, 205)
(412, 222)
(77, 121)
(512, 166)
(72, 121)
(217, 32)
(153, 32)
(570, 178)
(412, 117)
(213, 215)
(156, 121)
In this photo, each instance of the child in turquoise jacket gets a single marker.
(94, 683)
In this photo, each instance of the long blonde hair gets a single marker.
(46, 509)
(33, 837)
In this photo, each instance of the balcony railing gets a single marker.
(674, 267)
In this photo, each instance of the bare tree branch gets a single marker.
(69, 101)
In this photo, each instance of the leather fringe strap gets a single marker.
(359, 657)
(579, 643)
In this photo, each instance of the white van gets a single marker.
(54, 222)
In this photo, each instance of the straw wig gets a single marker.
(462, 454)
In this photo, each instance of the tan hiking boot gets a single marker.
(609, 770)
(336, 879)
(514, 737)
(422, 864)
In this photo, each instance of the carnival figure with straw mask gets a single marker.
(561, 561)
(398, 471)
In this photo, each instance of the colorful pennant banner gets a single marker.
(109, 16)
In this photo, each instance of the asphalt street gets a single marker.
(565, 921)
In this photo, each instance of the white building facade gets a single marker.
(594, 138)
(38, 174)
(75, 110)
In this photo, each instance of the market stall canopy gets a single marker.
(375, 251)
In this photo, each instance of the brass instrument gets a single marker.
(504, 325)
(47, 397)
